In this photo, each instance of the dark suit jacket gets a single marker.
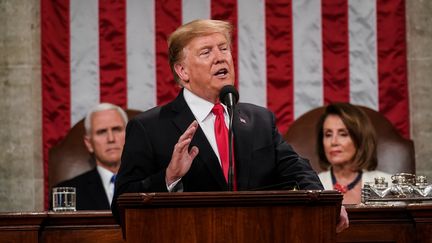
(90, 193)
(262, 157)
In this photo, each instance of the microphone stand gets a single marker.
(229, 96)
(230, 149)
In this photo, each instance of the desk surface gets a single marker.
(412, 223)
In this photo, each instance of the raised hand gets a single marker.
(182, 157)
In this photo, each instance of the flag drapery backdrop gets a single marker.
(291, 56)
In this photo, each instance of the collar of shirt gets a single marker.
(201, 109)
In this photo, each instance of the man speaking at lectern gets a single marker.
(183, 146)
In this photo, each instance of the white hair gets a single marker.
(103, 107)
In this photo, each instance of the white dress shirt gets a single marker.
(106, 182)
(202, 110)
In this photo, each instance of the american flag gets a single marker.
(291, 56)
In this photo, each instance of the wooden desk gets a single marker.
(422, 216)
(21, 226)
(411, 223)
(250, 217)
(47, 227)
(81, 227)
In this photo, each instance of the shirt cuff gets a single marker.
(171, 187)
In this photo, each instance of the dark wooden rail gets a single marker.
(411, 223)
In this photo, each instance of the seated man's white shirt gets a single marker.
(106, 182)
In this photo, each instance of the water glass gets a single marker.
(64, 199)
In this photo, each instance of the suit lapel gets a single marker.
(206, 154)
(97, 190)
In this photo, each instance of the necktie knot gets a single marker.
(218, 109)
(113, 178)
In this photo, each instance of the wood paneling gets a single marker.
(81, 227)
(411, 223)
(278, 216)
(20, 227)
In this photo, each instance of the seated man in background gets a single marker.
(105, 136)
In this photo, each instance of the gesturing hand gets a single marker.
(182, 157)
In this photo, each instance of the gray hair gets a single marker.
(103, 107)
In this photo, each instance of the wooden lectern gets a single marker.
(246, 216)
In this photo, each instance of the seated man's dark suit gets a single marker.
(90, 193)
(262, 157)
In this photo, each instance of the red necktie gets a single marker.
(221, 133)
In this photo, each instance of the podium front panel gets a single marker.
(278, 216)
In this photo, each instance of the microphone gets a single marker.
(229, 96)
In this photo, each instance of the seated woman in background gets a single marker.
(347, 150)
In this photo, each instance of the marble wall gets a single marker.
(21, 171)
(419, 36)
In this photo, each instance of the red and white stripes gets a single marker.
(291, 56)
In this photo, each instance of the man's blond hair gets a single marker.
(181, 37)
